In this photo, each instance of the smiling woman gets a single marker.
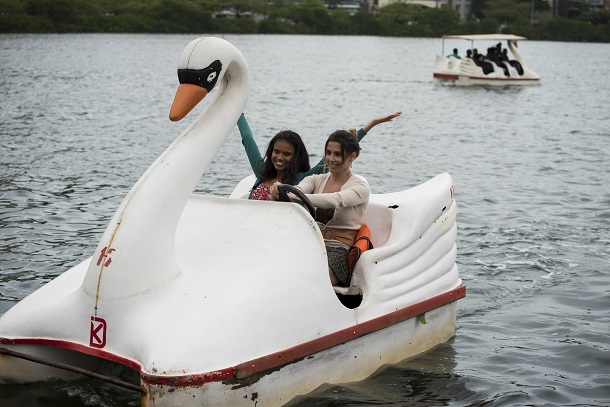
(341, 199)
(286, 160)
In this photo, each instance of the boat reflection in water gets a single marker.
(227, 301)
(423, 380)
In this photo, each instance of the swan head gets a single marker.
(199, 68)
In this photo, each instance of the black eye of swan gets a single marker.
(205, 78)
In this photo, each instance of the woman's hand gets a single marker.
(380, 119)
(274, 194)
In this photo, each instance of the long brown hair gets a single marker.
(347, 140)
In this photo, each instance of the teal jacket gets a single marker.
(257, 161)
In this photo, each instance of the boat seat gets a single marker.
(361, 245)
(487, 66)
(378, 218)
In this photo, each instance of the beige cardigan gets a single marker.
(350, 203)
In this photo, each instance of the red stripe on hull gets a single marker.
(308, 348)
(57, 343)
(483, 78)
(480, 78)
(446, 76)
(263, 363)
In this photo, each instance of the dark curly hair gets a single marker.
(299, 163)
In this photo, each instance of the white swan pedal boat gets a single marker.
(227, 301)
(465, 72)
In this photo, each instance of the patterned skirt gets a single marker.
(337, 261)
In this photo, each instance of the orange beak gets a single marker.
(187, 97)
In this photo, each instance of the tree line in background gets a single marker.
(570, 21)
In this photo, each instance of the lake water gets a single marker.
(83, 116)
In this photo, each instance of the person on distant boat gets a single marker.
(504, 56)
(491, 55)
(455, 54)
(494, 54)
(286, 160)
(499, 49)
(504, 61)
(340, 199)
(475, 56)
(469, 54)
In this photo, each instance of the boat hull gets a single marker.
(460, 80)
(224, 343)
(17, 370)
(351, 361)
(349, 355)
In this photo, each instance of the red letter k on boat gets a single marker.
(97, 337)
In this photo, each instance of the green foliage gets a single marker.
(182, 16)
(484, 26)
(237, 26)
(488, 25)
(440, 21)
(311, 17)
(563, 29)
(344, 23)
(302, 17)
(367, 24)
(476, 8)
(61, 11)
(541, 5)
(525, 29)
(418, 21)
(506, 11)
(24, 23)
(239, 6)
(273, 26)
(401, 13)
(408, 20)
(12, 7)
(571, 8)
(601, 17)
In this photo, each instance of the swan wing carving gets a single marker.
(136, 253)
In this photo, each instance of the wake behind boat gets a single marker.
(487, 67)
(227, 301)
